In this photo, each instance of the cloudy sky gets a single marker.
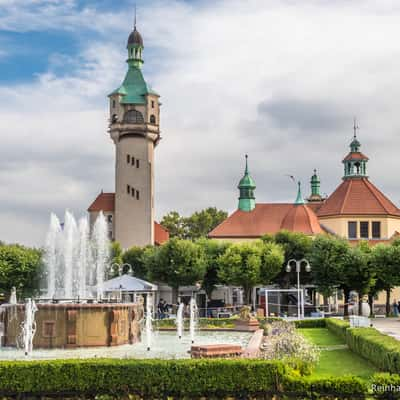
(277, 79)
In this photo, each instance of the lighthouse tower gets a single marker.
(135, 130)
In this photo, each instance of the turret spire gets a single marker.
(135, 46)
(299, 198)
(247, 200)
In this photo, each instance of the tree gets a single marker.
(135, 257)
(115, 259)
(240, 265)
(201, 223)
(328, 262)
(213, 249)
(196, 226)
(272, 258)
(20, 267)
(175, 224)
(177, 263)
(385, 260)
(359, 275)
(296, 246)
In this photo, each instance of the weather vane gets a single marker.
(355, 127)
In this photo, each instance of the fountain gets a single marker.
(29, 326)
(71, 312)
(13, 296)
(179, 320)
(193, 318)
(149, 320)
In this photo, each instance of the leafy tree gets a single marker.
(196, 226)
(175, 224)
(213, 249)
(359, 275)
(20, 267)
(200, 223)
(272, 258)
(328, 259)
(177, 263)
(241, 265)
(296, 246)
(115, 259)
(385, 260)
(135, 257)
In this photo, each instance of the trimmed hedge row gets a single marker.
(162, 378)
(202, 322)
(381, 350)
(310, 323)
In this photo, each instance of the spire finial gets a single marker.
(315, 171)
(299, 198)
(246, 171)
(134, 23)
(355, 127)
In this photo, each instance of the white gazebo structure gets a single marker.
(126, 288)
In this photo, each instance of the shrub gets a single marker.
(310, 323)
(337, 326)
(189, 379)
(202, 323)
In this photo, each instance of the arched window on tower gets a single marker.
(133, 117)
(152, 119)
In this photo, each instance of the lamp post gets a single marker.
(298, 263)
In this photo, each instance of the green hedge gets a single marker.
(188, 379)
(310, 323)
(381, 350)
(337, 326)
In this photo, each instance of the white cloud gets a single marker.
(280, 80)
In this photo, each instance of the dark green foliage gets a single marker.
(135, 257)
(310, 323)
(198, 225)
(381, 350)
(158, 379)
(20, 267)
(337, 326)
(202, 323)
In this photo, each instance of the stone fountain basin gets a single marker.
(69, 325)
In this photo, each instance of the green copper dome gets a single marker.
(247, 200)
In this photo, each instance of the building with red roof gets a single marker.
(356, 210)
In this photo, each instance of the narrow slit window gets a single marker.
(133, 161)
(133, 192)
(128, 158)
(128, 189)
(137, 163)
(137, 194)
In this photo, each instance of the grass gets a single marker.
(321, 337)
(336, 362)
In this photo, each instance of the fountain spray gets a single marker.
(193, 318)
(149, 320)
(29, 326)
(179, 320)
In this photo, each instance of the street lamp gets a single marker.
(298, 264)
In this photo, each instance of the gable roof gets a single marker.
(106, 202)
(268, 218)
(357, 197)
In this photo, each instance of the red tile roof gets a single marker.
(357, 196)
(268, 218)
(356, 156)
(161, 235)
(103, 202)
(106, 202)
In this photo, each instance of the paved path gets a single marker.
(388, 326)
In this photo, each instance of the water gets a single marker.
(29, 326)
(193, 318)
(179, 320)
(165, 345)
(149, 321)
(76, 261)
(13, 296)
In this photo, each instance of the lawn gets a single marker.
(336, 362)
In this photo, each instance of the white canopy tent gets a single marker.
(126, 286)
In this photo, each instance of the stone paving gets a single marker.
(388, 326)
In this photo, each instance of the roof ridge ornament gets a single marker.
(355, 127)
(299, 198)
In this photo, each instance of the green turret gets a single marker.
(315, 184)
(247, 200)
(299, 198)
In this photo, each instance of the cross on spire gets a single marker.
(355, 127)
